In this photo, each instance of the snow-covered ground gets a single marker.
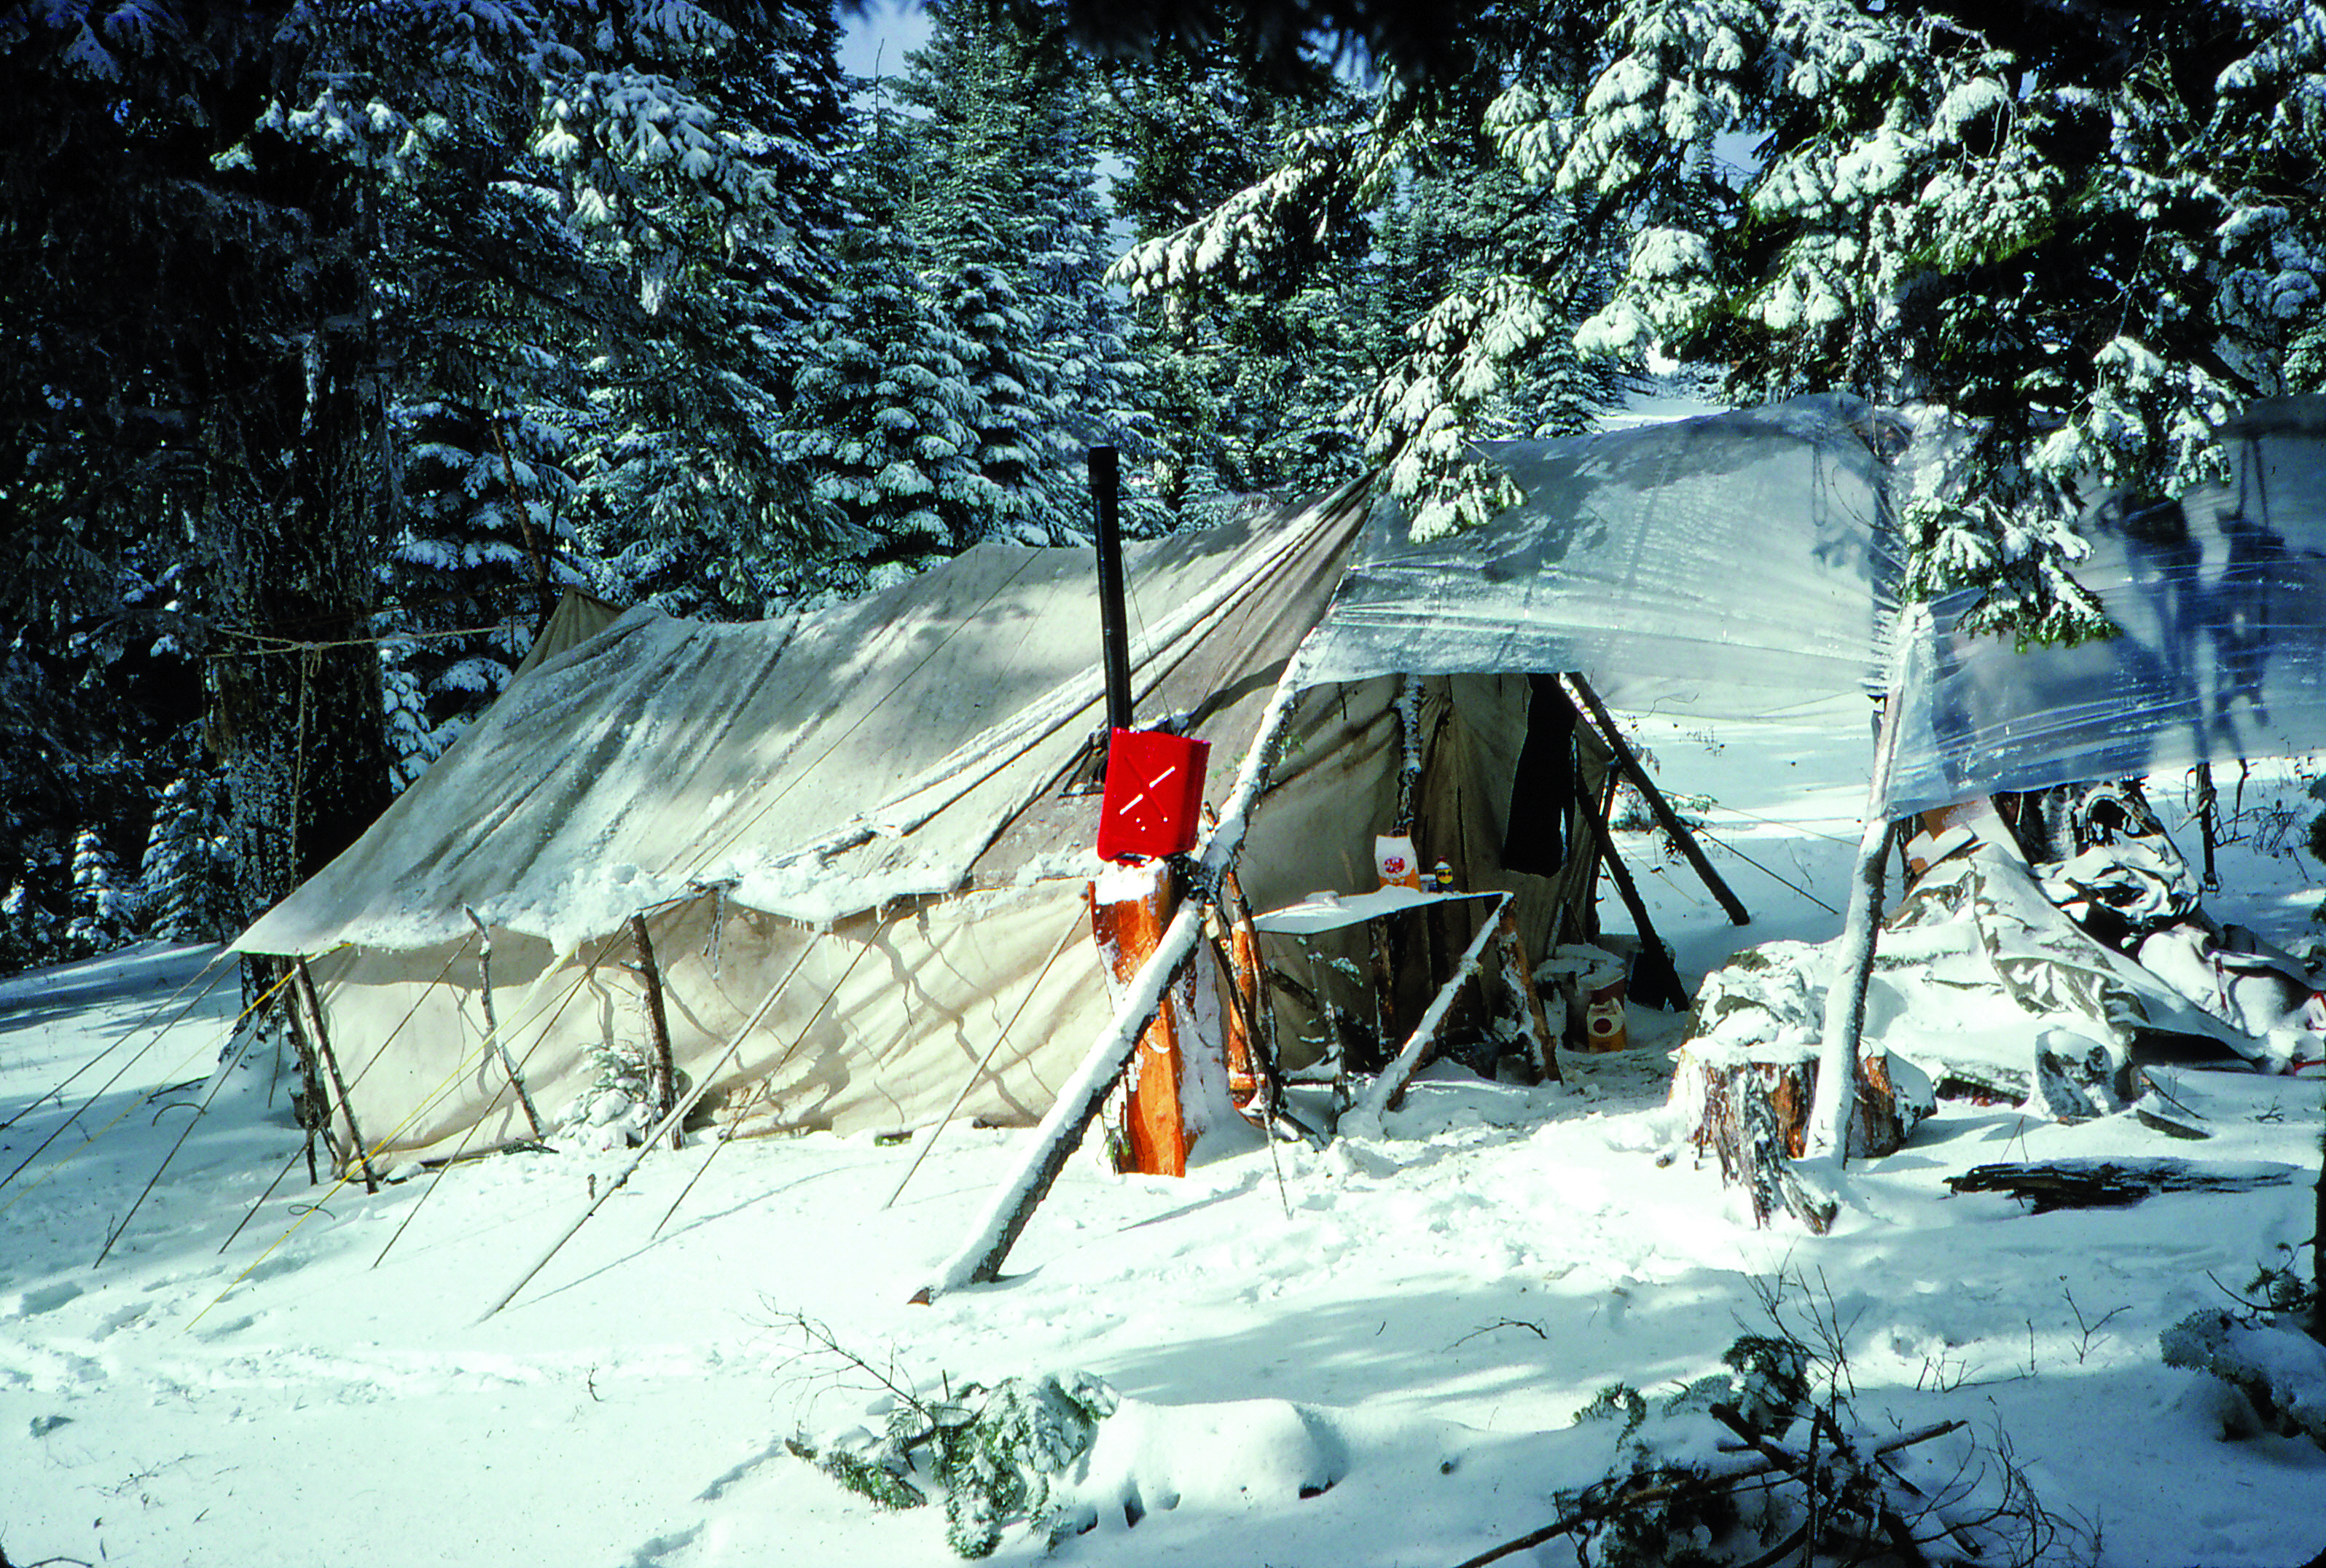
(1407, 1322)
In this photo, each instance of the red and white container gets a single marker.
(1154, 799)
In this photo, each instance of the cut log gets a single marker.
(1750, 1107)
(2097, 1184)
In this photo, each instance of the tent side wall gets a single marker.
(883, 1020)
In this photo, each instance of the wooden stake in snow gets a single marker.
(312, 1006)
(665, 1072)
(1081, 1098)
(493, 1041)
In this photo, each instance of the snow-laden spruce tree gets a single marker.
(1475, 269)
(1245, 380)
(472, 568)
(2094, 239)
(889, 410)
(103, 909)
(1002, 197)
(184, 880)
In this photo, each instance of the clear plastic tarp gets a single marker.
(1735, 564)
(2220, 597)
(1717, 566)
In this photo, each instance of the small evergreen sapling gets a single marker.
(994, 1451)
(2263, 1348)
(103, 910)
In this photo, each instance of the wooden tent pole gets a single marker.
(1518, 976)
(1391, 1081)
(310, 1095)
(313, 1007)
(665, 1071)
(1666, 818)
(493, 1041)
(1083, 1096)
(1658, 984)
(1826, 1134)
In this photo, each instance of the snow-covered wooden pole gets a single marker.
(1392, 1079)
(1826, 1134)
(979, 1258)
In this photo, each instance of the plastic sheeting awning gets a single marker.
(2220, 598)
(1733, 564)
(1707, 566)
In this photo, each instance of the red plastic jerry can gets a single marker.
(1154, 798)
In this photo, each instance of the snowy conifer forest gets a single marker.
(340, 342)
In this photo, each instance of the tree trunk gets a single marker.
(293, 436)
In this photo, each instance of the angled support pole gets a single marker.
(1390, 1082)
(1082, 1097)
(1666, 818)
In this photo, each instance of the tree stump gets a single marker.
(1750, 1105)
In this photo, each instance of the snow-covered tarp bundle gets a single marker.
(2007, 997)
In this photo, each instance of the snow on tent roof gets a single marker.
(815, 767)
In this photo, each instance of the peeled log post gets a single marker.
(1844, 1003)
(665, 1071)
(1518, 980)
(1155, 1122)
(979, 1258)
(1845, 1006)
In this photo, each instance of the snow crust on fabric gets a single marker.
(822, 767)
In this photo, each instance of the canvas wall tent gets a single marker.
(882, 797)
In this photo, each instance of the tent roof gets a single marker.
(824, 765)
